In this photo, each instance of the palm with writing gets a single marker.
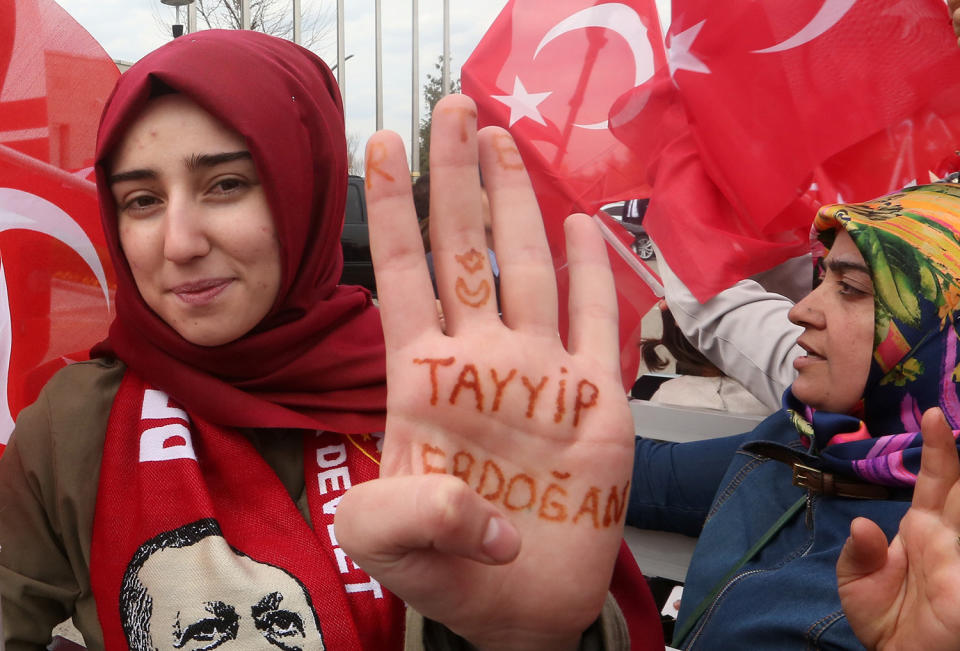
(507, 456)
(905, 596)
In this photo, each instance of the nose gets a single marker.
(807, 312)
(184, 237)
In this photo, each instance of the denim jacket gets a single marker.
(785, 597)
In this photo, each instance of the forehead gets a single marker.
(241, 581)
(170, 126)
(844, 250)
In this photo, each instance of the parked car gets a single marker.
(630, 215)
(355, 240)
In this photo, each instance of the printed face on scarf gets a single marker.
(194, 222)
(838, 321)
(235, 602)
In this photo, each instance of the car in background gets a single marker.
(355, 239)
(630, 215)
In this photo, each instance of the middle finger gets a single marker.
(464, 276)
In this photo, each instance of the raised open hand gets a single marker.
(507, 456)
(906, 596)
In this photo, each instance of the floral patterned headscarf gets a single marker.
(910, 240)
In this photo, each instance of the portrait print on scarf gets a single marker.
(910, 240)
(197, 542)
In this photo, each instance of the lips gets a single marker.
(811, 357)
(811, 352)
(201, 292)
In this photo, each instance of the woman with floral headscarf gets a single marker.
(180, 490)
(773, 508)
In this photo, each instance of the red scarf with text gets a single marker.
(197, 542)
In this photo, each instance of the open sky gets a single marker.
(128, 29)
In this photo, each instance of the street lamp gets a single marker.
(178, 28)
(333, 68)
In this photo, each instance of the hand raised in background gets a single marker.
(905, 595)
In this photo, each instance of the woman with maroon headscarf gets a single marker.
(179, 490)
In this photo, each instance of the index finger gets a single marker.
(407, 307)
(939, 466)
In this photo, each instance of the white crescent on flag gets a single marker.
(620, 19)
(6, 341)
(22, 210)
(831, 11)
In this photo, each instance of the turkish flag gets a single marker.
(56, 283)
(55, 80)
(764, 100)
(549, 73)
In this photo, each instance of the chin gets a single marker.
(206, 339)
(800, 392)
(812, 399)
(825, 403)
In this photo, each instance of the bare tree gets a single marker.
(273, 17)
(354, 154)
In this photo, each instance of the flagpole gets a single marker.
(576, 99)
(297, 26)
(639, 267)
(415, 100)
(378, 29)
(446, 48)
(341, 73)
(244, 14)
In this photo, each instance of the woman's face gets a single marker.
(838, 323)
(194, 222)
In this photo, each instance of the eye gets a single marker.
(211, 632)
(228, 186)
(139, 204)
(278, 624)
(852, 289)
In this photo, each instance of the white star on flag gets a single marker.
(679, 56)
(523, 104)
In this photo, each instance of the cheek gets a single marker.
(859, 344)
(133, 245)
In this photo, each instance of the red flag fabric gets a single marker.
(766, 99)
(55, 281)
(549, 73)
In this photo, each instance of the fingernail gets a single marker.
(493, 528)
(500, 540)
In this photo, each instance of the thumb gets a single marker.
(864, 553)
(380, 522)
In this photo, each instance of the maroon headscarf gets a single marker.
(316, 361)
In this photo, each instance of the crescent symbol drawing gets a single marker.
(829, 15)
(618, 18)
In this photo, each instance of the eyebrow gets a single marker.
(212, 160)
(195, 162)
(840, 266)
(267, 603)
